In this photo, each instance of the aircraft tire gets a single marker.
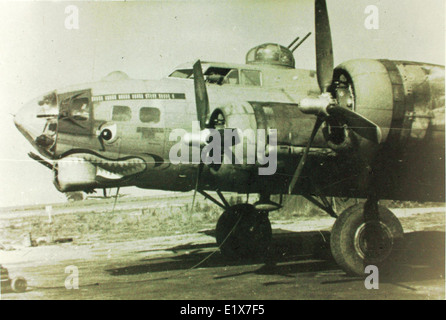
(19, 284)
(354, 248)
(249, 239)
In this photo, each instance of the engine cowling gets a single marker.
(405, 99)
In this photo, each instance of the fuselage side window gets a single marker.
(121, 113)
(148, 114)
(251, 78)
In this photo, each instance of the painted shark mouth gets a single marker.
(103, 168)
(80, 170)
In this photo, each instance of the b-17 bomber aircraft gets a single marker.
(371, 129)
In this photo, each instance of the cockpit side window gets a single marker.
(74, 112)
(222, 75)
(216, 75)
(232, 77)
(251, 78)
(80, 109)
(76, 108)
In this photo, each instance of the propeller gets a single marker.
(325, 107)
(202, 105)
(201, 95)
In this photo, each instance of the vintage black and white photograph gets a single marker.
(222, 151)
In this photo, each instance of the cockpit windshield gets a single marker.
(182, 74)
(213, 75)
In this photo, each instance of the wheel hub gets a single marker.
(373, 241)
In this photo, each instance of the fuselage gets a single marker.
(118, 132)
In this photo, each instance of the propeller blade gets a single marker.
(300, 167)
(201, 95)
(202, 104)
(362, 126)
(324, 47)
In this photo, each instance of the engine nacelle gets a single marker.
(405, 99)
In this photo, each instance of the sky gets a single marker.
(148, 39)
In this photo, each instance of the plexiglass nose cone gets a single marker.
(27, 122)
(36, 121)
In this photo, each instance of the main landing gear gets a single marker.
(363, 234)
(243, 230)
(366, 234)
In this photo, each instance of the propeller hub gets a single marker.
(200, 138)
(317, 106)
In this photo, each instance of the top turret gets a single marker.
(271, 53)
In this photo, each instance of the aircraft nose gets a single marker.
(27, 122)
(34, 119)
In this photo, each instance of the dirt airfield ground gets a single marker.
(155, 249)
